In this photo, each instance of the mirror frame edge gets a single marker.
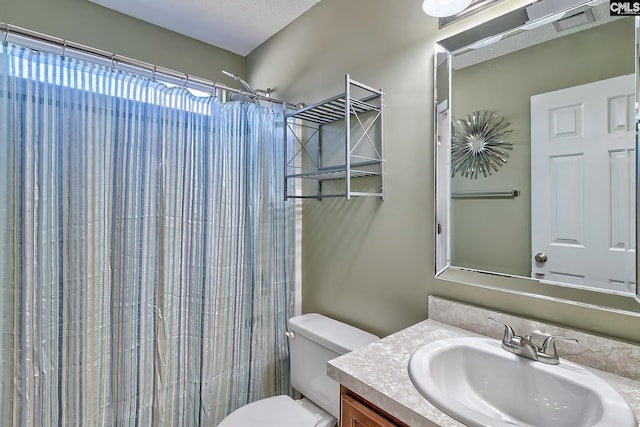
(438, 49)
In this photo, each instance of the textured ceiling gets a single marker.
(235, 25)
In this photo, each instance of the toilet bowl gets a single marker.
(313, 341)
(279, 411)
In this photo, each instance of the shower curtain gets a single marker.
(146, 251)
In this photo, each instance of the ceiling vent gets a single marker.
(573, 21)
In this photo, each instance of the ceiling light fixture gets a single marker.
(442, 8)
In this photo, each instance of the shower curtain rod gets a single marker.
(114, 58)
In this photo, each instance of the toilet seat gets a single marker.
(278, 411)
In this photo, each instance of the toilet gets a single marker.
(314, 339)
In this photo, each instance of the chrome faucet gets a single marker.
(525, 347)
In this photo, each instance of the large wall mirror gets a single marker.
(536, 154)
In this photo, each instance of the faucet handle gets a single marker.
(548, 353)
(549, 345)
(509, 333)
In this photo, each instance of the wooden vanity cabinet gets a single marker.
(355, 411)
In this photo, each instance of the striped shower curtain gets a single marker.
(146, 251)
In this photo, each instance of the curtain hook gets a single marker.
(64, 49)
(6, 34)
(153, 75)
(186, 81)
(113, 62)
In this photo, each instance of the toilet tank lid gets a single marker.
(335, 335)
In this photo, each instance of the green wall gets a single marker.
(595, 54)
(371, 262)
(84, 22)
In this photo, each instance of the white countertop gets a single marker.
(378, 373)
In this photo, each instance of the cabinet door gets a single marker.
(355, 414)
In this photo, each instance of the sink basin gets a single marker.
(478, 383)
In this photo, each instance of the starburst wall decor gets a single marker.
(478, 144)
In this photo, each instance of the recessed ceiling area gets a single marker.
(238, 26)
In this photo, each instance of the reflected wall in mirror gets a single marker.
(562, 211)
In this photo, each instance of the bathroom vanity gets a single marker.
(357, 411)
(376, 389)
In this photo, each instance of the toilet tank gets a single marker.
(316, 339)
